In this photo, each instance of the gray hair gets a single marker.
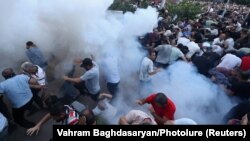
(26, 66)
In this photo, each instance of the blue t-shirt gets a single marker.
(36, 57)
(17, 90)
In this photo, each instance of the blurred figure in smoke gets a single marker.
(90, 78)
(35, 55)
(136, 117)
(146, 71)
(111, 73)
(162, 109)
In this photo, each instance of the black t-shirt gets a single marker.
(241, 89)
(238, 111)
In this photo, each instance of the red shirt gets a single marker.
(245, 63)
(167, 111)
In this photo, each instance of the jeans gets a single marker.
(113, 88)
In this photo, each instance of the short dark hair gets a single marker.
(8, 73)
(89, 115)
(161, 99)
(57, 108)
(86, 62)
(29, 43)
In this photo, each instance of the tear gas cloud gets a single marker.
(77, 28)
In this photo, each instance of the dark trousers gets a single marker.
(18, 115)
(113, 88)
(4, 109)
(36, 98)
(94, 96)
(81, 88)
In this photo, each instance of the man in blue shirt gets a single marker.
(35, 55)
(16, 88)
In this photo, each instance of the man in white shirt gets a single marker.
(136, 117)
(146, 71)
(220, 40)
(229, 43)
(147, 67)
(229, 62)
(90, 77)
(111, 73)
(39, 75)
(193, 48)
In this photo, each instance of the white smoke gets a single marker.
(195, 96)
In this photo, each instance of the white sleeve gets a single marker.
(150, 67)
(158, 48)
(87, 75)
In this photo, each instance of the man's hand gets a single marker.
(78, 61)
(151, 109)
(65, 78)
(33, 130)
(140, 102)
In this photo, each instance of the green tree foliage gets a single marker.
(184, 10)
(244, 2)
(122, 5)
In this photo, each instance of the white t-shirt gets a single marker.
(230, 44)
(108, 113)
(147, 67)
(193, 48)
(229, 61)
(217, 49)
(110, 69)
(91, 78)
(217, 41)
(175, 54)
(214, 32)
(182, 40)
(164, 52)
(40, 76)
(184, 121)
(136, 117)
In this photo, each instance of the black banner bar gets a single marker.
(114, 132)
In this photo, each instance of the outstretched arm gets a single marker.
(37, 127)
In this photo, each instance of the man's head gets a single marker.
(57, 111)
(90, 116)
(151, 54)
(8, 73)
(27, 67)
(87, 63)
(34, 69)
(222, 37)
(29, 44)
(161, 99)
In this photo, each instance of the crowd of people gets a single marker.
(217, 43)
